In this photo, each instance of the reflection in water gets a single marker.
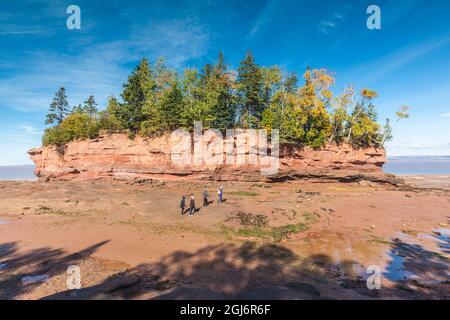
(396, 271)
(4, 222)
(414, 262)
(406, 260)
(443, 239)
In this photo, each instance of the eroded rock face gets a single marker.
(118, 157)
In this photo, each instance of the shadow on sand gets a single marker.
(230, 271)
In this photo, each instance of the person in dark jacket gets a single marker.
(192, 206)
(183, 204)
(205, 197)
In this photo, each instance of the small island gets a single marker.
(320, 134)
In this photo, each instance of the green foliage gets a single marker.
(90, 106)
(136, 91)
(78, 125)
(275, 234)
(250, 92)
(107, 119)
(157, 99)
(59, 108)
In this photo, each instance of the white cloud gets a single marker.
(377, 69)
(413, 148)
(177, 40)
(326, 26)
(446, 115)
(17, 30)
(99, 69)
(30, 130)
(265, 16)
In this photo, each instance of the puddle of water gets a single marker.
(443, 238)
(395, 271)
(445, 232)
(35, 279)
(4, 222)
(2, 266)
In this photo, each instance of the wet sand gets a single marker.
(293, 240)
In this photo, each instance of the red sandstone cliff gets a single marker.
(118, 157)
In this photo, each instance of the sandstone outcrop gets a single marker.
(118, 157)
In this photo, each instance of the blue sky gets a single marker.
(406, 62)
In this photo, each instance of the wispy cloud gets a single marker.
(418, 148)
(326, 26)
(178, 40)
(99, 69)
(375, 70)
(31, 130)
(446, 115)
(265, 16)
(334, 18)
(17, 30)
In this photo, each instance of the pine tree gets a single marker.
(250, 92)
(59, 108)
(172, 107)
(223, 109)
(90, 106)
(290, 84)
(135, 94)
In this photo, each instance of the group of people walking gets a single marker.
(205, 195)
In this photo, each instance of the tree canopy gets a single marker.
(157, 99)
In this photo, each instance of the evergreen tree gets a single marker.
(172, 107)
(291, 82)
(90, 106)
(107, 118)
(59, 108)
(250, 90)
(223, 109)
(135, 94)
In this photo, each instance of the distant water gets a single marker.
(404, 165)
(25, 172)
(418, 165)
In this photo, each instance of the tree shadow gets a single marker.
(225, 271)
(419, 271)
(43, 261)
(248, 271)
(443, 240)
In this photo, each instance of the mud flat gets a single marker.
(290, 240)
(428, 181)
